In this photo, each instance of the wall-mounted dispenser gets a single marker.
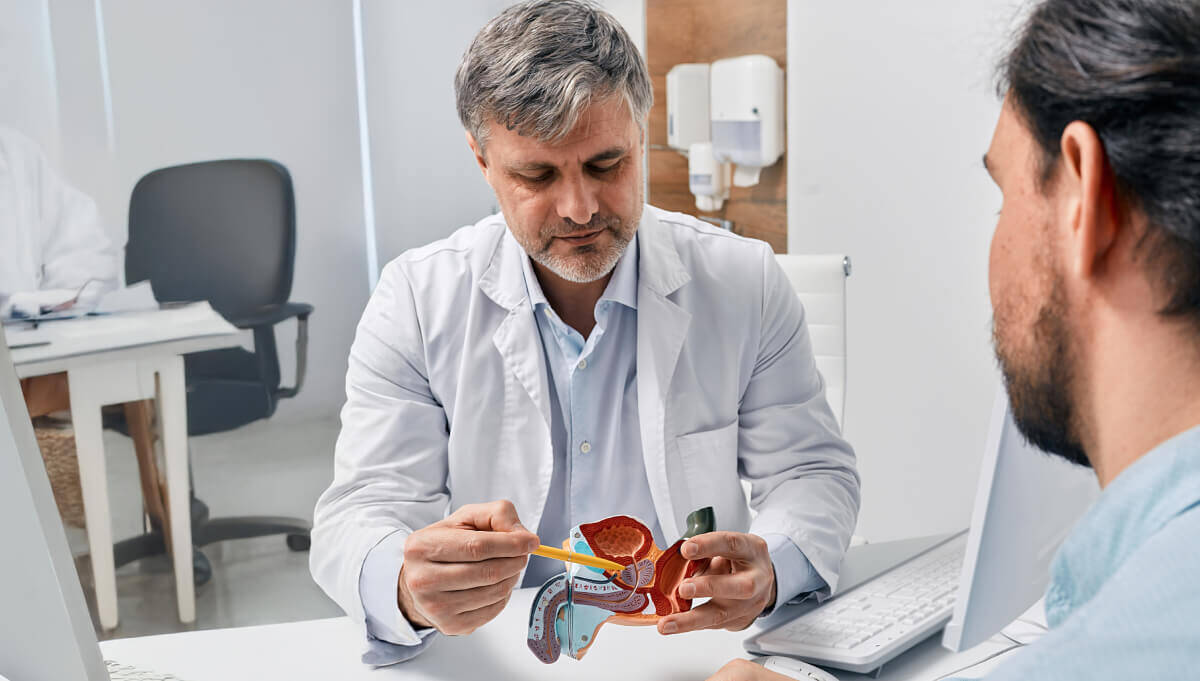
(687, 105)
(708, 178)
(746, 105)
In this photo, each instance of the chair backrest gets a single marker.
(221, 231)
(820, 282)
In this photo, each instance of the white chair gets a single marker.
(820, 282)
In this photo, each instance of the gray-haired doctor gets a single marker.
(578, 356)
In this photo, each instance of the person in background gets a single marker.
(54, 245)
(579, 355)
(1095, 286)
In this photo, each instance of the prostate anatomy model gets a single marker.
(570, 608)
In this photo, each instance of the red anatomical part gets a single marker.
(623, 540)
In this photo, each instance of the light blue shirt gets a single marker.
(598, 466)
(594, 426)
(1124, 596)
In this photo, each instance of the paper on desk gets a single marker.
(102, 333)
(135, 298)
(28, 305)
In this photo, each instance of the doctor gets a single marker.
(53, 240)
(52, 243)
(579, 355)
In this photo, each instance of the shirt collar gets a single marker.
(1138, 503)
(622, 287)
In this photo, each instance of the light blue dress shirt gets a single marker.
(1124, 597)
(598, 466)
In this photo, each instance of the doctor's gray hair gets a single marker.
(536, 66)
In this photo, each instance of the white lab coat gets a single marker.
(447, 398)
(51, 236)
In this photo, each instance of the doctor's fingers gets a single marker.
(467, 622)
(497, 516)
(737, 546)
(444, 577)
(450, 545)
(715, 614)
(713, 566)
(737, 586)
(448, 605)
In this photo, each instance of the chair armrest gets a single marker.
(272, 315)
(263, 319)
(301, 354)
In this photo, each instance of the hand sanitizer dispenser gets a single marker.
(687, 106)
(746, 105)
(708, 179)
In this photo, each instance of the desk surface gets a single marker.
(70, 343)
(331, 648)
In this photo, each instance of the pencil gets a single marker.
(577, 558)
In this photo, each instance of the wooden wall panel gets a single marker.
(683, 31)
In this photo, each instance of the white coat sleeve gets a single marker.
(390, 461)
(74, 246)
(803, 478)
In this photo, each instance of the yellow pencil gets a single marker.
(577, 558)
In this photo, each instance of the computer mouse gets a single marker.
(795, 669)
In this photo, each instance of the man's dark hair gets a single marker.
(1131, 70)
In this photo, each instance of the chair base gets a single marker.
(207, 531)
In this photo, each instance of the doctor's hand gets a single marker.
(739, 579)
(458, 573)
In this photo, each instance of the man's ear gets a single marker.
(475, 149)
(1090, 191)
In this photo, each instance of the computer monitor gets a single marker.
(1026, 504)
(45, 631)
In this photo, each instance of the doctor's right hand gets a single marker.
(458, 573)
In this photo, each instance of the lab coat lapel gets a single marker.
(662, 329)
(519, 345)
(517, 336)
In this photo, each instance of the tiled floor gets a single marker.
(267, 468)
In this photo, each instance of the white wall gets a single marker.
(28, 100)
(632, 15)
(891, 106)
(270, 78)
(426, 182)
(84, 122)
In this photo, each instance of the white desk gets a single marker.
(322, 650)
(125, 358)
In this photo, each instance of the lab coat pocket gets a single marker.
(710, 463)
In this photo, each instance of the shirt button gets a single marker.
(583, 364)
(585, 447)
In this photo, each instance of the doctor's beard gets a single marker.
(589, 262)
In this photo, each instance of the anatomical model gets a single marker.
(570, 608)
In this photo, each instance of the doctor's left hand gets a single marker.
(739, 579)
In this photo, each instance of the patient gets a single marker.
(1095, 285)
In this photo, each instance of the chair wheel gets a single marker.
(202, 570)
(299, 542)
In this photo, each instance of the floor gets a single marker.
(266, 468)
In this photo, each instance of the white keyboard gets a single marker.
(121, 672)
(865, 627)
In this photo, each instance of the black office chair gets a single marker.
(225, 232)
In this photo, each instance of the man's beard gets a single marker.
(587, 263)
(1039, 390)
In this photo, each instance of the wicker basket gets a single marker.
(57, 441)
